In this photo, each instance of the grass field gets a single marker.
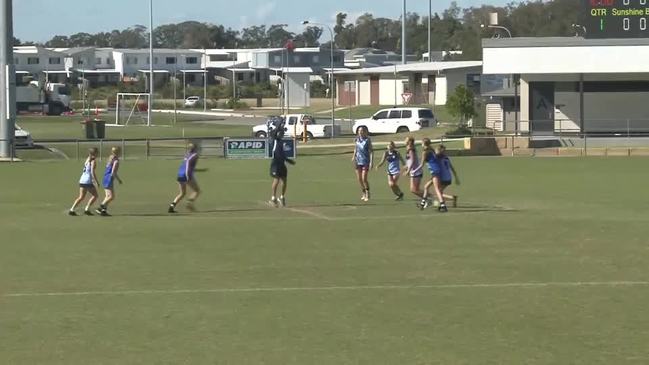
(545, 262)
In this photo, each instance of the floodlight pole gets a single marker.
(331, 75)
(151, 76)
(403, 35)
(7, 81)
(205, 81)
(430, 16)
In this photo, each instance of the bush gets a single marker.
(461, 104)
(460, 131)
(235, 104)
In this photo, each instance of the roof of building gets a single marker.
(561, 42)
(414, 67)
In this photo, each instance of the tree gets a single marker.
(461, 104)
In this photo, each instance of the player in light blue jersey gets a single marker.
(87, 183)
(413, 168)
(186, 178)
(363, 160)
(394, 160)
(429, 158)
(447, 172)
(110, 175)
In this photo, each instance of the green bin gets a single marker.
(100, 128)
(89, 127)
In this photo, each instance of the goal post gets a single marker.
(132, 109)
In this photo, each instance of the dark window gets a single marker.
(33, 61)
(406, 114)
(108, 61)
(382, 115)
(395, 114)
(240, 76)
(604, 86)
(170, 60)
(292, 120)
(192, 60)
(190, 78)
(426, 113)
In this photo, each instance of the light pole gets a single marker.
(403, 34)
(331, 74)
(430, 17)
(151, 76)
(7, 80)
(205, 81)
(234, 79)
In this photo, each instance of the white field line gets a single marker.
(530, 285)
(310, 213)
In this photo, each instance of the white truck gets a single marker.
(295, 127)
(50, 98)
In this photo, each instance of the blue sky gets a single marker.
(39, 20)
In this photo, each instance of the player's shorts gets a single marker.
(183, 179)
(363, 167)
(418, 176)
(278, 171)
(395, 174)
(447, 183)
(87, 186)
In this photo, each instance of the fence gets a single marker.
(149, 148)
(567, 127)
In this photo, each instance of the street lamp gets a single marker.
(497, 27)
(331, 75)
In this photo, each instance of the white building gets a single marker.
(569, 84)
(38, 61)
(425, 82)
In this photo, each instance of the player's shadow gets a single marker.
(483, 208)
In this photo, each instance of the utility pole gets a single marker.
(151, 75)
(7, 80)
(403, 35)
(430, 26)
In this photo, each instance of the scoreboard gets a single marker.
(616, 18)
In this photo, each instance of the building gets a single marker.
(414, 83)
(32, 62)
(373, 57)
(567, 85)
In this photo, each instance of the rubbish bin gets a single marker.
(260, 101)
(89, 127)
(100, 128)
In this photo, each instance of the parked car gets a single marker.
(397, 120)
(192, 101)
(295, 127)
(23, 138)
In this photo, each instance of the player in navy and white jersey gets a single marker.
(363, 160)
(394, 160)
(413, 168)
(429, 158)
(186, 178)
(87, 183)
(278, 170)
(447, 173)
(110, 175)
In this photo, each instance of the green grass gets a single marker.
(70, 127)
(171, 290)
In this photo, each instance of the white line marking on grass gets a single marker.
(310, 213)
(531, 285)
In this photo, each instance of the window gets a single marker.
(33, 61)
(316, 58)
(170, 60)
(80, 61)
(190, 78)
(395, 114)
(191, 60)
(406, 114)
(426, 113)
(108, 61)
(381, 115)
(240, 76)
(277, 59)
(292, 120)
(16, 61)
(55, 60)
(98, 61)
(220, 57)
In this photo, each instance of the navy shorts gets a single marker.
(87, 186)
(363, 167)
(278, 171)
(447, 183)
(183, 179)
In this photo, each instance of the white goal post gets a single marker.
(132, 108)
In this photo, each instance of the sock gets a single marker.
(173, 204)
(273, 198)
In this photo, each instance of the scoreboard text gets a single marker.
(616, 18)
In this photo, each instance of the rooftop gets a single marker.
(560, 42)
